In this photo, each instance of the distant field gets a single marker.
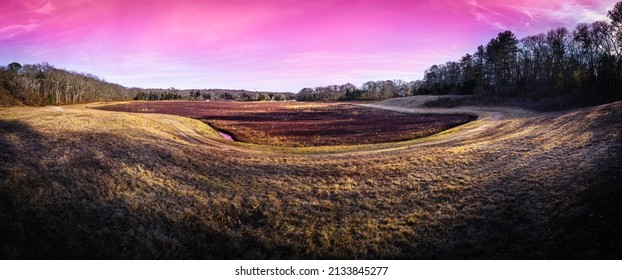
(79, 182)
(291, 124)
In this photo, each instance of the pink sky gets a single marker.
(280, 45)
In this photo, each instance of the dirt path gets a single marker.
(483, 113)
(489, 118)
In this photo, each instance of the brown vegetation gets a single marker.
(6, 99)
(77, 182)
(299, 125)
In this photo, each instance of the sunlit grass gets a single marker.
(78, 182)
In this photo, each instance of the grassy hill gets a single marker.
(77, 182)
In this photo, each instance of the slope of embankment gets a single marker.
(76, 182)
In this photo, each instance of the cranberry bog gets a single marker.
(292, 124)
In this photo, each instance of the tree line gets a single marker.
(42, 84)
(372, 90)
(151, 95)
(211, 94)
(575, 67)
(237, 95)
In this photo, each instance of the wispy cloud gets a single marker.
(564, 12)
(526, 16)
(573, 12)
(528, 13)
(11, 31)
(484, 8)
(48, 8)
(486, 15)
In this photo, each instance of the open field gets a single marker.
(78, 182)
(300, 125)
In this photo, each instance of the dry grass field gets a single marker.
(78, 182)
